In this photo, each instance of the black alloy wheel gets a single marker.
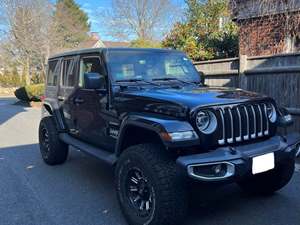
(150, 190)
(140, 192)
(52, 149)
(44, 141)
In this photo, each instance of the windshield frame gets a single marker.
(157, 51)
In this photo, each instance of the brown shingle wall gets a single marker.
(267, 35)
(244, 9)
(262, 36)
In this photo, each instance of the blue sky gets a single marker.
(91, 7)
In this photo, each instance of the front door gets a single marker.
(91, 107)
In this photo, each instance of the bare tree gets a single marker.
(34, 29)
(27, 40)
(139, 19)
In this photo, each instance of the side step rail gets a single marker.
(100, 154)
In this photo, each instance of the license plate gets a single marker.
(263, 163)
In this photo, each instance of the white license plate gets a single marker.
(263, 163)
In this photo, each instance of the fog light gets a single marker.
(211, 171)
(285, 121)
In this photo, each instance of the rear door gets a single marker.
(68, 85)
(53, 74)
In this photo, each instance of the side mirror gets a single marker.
(202, 78)
(94, 81)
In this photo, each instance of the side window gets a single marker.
(69, 76)
(53, 73)
(89, 65)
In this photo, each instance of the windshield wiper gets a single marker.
(136, 81)
(172, 79)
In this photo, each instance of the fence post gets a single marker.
(242, 68)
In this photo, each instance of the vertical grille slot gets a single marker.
(231, 136)
(261, 120)
(253, 134)
(247, 134)
(266, 130)
(239, 138)
(223, 135)
(243, 123)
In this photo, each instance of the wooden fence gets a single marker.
(277, 76)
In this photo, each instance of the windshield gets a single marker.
(150, 65)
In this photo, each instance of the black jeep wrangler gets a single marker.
(148, 113)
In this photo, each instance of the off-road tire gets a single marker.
(169, 188)
(269, 182)
(52, 149)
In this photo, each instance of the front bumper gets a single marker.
(238, 159)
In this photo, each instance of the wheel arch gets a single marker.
(49, 110)
(134, 134)
(143, 128)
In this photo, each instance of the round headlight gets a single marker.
(271, 112)
(206, 122)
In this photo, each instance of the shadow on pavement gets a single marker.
(81, 191)
(9, 107)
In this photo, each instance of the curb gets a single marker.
(7, 96)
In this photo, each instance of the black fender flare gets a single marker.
(152, 124)
(52, 109)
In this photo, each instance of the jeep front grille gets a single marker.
(242, 123)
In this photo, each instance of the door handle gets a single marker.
(78, 100)
(60, 98)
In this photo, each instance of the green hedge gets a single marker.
(10, 80)
(30, 93)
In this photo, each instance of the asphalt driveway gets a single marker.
(81, 192)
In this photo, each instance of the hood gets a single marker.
(188, 97)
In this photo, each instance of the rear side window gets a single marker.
(53, 73)
(69, 78)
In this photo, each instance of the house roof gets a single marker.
(112, 44)
(94, 41)
(91, 44)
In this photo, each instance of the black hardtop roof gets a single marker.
(99, 50)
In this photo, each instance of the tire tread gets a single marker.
(58, 149)
(170, 185)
